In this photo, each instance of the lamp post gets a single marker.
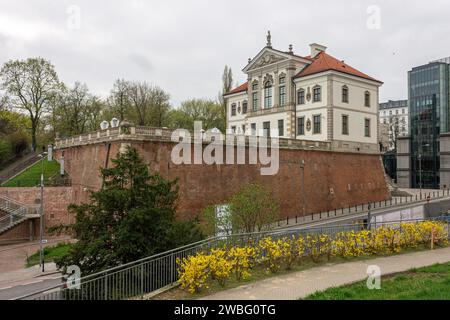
(41, 216)
(302, 167)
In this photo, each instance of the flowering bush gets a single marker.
(272, 253)
(193, 272)
(240, 258)
(219, 266)
(196, 271)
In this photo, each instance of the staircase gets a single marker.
(12, 213)
(18, 166)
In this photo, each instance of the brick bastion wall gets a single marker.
(56, 200)
(332, 179)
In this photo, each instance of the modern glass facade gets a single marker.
(428, 98)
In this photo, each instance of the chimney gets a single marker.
(316, 49)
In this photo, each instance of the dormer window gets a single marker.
(345, 94)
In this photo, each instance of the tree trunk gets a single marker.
(33, 136)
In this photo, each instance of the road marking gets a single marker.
(6, 288)
(25, 284)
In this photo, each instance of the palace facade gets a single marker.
(315, 97)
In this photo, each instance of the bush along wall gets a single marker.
(221, 264)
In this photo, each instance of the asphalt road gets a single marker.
(18, 289)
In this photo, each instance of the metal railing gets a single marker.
(13, 212)
(159, 271)
(363, 208)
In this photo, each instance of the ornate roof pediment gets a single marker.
(264, 58)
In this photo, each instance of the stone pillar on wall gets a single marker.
(403, 162)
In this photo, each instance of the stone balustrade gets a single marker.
(165, 134)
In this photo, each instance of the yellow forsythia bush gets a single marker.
(196, 272)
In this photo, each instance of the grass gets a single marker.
(428, 283)
(50, 253)
(259, 273)
(32, 176)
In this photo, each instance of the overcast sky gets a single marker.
(182, 46)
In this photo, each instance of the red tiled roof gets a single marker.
(324, 62)
(242, 87)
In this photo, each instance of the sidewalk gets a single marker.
(303, 283)
(13, 257)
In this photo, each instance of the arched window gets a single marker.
(367, 99)
(268, 94)
(344, 94)
(317, 94)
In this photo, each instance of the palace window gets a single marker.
(367, 127)
(255, 86)
(255, 101)
(345, 94)
(345, 124)
(266, 129)
(317, 94)
(268, 95)
(244, 107)
(281, 128)
(253, 128)
(233, 129)
(301, 96)
(233, 109)
(367, 99)
(282, 96)
(316, 123)
(301, 126)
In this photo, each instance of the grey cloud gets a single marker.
(182, 46)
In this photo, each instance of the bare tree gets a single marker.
(394, 131)
(149, 103)
(30, 85)
(118, 99)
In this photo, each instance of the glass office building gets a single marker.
(428, 98)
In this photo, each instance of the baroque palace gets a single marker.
(315, 97)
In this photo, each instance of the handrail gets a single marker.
(164, 264)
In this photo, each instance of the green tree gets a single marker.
(253, 208)
(30, 84)
(227, 85)
(131, 217)
(205, 110)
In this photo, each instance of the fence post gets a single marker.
(106, 287)
(142, 280)
(287, 220)
(295, 219)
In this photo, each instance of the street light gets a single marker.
(302, 167)
(41, 215)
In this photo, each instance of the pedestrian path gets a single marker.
(303, 283)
